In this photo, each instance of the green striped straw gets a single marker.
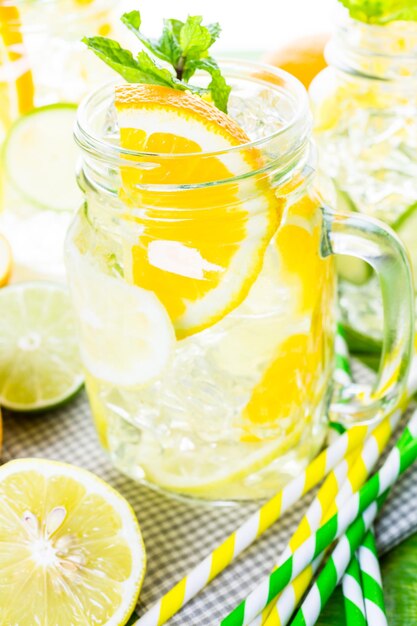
(354, 601)
(342, 372)
(280, 610)
(335, 567)
(353, 593)
(346, 478)
(400, 458)
(372, 582)
(369, 571)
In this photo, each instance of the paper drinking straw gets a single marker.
(354, 601)
(399, 459)
(311, 521)
(335, 567)
(369, 573)
(257, 523)
(253, 527)
(342, 372)
(359, 467)
(363, 575)
(372, 582)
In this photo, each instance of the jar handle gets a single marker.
(374, 242)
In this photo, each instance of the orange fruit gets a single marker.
(16, 96)
(6, 261)
(303, 57)
(199, 250)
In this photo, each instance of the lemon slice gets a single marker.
(39, 360)
(71, 551)
(6, 261)
(201, 249)
(126, 336)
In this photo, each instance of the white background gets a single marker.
(248, 25)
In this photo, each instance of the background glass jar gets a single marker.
(45, 70)
(365, 108)
(208, 353)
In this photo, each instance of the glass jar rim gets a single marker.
(299, 123)
(369, 40)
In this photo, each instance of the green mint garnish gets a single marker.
(381, 11)
(183, 45)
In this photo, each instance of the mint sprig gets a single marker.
(381, 11)
(184, 46)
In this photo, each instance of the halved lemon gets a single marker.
(198, 249)
(71, 551)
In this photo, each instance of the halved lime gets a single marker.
(40, 156)
(39, 360)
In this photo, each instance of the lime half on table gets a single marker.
(39, 360)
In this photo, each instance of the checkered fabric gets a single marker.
(177, 535)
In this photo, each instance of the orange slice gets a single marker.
(11, 35)
(199, 249)
(6, 261)
(295, 374)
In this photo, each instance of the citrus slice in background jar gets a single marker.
(16, 89)
(178, 255)
(70, 546)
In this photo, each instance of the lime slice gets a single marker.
(40, 156)
(39, 361)
(70, 546)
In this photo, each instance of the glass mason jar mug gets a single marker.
(365, 109)
(206, 307)
(45, 70)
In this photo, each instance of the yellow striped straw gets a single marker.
(253, 527)
(345, 479)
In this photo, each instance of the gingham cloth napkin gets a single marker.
(178, 535)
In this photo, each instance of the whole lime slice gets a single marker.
(39, 361)
(39, 157)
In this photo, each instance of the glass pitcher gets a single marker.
(206, 309)
(45, 70)
(365, 109)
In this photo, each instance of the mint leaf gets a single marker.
(155, 75)
(183, 45)
(194, 38)
(165, 48)
(381, 11)
(214, 29)
(218, 88)
(140, 70)
(175, 27)
(119, 59)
